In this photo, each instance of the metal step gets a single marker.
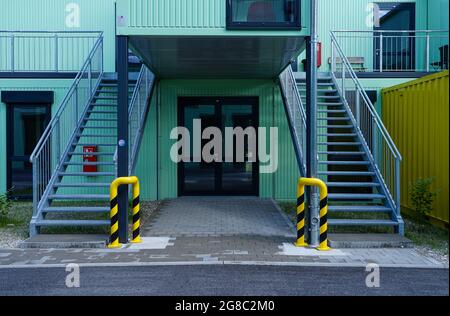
(104, 98)
(342, 153)
(346, 173)
(330, 103)
(361, 222)
(86, 174)
(94, 135)
(88, 119)
(82, 185)
(336, 126)
(87, 209)
(332, 111)
(99, 127)
(334, 119)
(339, 135)
(101, 112)
(345, 163)
(72, 153)
(348, 196)
(83, 197)
(103, 104)
(353, 184)
(320, 90)
(89, 163)
(360, 209)
(53, 223)
(97, 144)
(340, 144)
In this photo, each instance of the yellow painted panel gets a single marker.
(416, 114)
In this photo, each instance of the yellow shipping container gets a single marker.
(416, 114)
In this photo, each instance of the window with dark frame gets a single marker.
(263, 14)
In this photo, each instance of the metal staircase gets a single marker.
(357, 158)
(64, 194)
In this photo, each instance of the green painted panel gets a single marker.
(280, 185)
(51, 15)
(60, 88)
(186, 17)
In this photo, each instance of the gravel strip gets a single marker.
(10, 239)
(433, 254)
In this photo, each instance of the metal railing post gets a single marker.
(35, 187)
(427, 53)
(90, 76)
(12, 53)
(56, 53)
(358, 106)
(58, 141)
(381, 52)
(397, 185)
(333, 57)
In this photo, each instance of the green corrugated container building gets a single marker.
(229, 63)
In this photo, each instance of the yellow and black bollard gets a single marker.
(114, 215)
(136, 214)
(301, 216)
(323, 246)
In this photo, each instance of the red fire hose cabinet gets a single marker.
(88, 157)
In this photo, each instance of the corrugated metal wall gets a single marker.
(181, 17)
(280, 185)
(417, 116)
(50, 15)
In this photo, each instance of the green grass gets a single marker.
(19, 216)
(418, 230)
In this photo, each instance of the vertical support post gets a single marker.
(12, 53)
(56, 53)
(358, 107)
(381, 52)
(311, 123)
(333, 56)
(122, 133)
(427, 60)
(58, 141)
(90, 77)
(374, 141)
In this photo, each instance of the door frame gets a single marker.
(9, 139)
(412, 8)
(218, 102)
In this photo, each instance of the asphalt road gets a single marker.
(220, 280)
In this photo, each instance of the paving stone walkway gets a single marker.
(223, 230)
(219, 216)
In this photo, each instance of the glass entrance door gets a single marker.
(232, 172)
(26, 124)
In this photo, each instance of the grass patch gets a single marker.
(419, 230)
(17, 218)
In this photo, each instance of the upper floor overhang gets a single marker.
(216, 57)
(215, 38)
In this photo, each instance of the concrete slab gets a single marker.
(65, 241)
(361, 241)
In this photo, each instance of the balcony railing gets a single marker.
(393, 51)
(40, 51)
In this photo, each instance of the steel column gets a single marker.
(311, 123)
(122, 133)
